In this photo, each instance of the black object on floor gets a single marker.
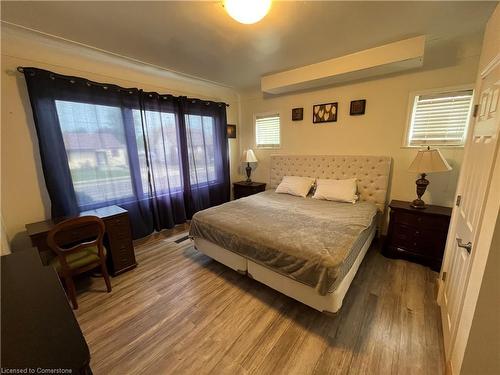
(182, 239)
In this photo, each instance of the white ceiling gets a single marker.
(200, 39)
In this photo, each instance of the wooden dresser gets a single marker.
(244, 189)
(39, 329)
(118, 237)
(417, 235)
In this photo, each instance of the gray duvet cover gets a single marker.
(306, 239)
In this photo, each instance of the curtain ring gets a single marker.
(105, 87)
(71, 81)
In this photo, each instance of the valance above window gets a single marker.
(161, 157)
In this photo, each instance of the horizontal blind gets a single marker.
(267, 131)
(440, 119)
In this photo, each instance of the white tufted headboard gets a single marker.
(372, 172)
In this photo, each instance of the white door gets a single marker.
(480, 153)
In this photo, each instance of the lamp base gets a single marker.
(418, 203)
(421, 183)
(249, 172)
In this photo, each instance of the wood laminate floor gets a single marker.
(179, 312)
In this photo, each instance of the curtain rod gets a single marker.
(20, 69)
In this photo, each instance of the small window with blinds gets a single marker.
(440, 119)
(267, 131)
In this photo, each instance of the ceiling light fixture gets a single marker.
(247, 11)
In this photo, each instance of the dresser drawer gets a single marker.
(404, 237)
(420, 221)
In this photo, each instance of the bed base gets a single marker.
(329, 303)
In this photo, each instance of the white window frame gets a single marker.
(405, 143)
(263, 114)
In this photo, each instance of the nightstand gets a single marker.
(418, 235)
(244, 189)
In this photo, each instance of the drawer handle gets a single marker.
(467, 246)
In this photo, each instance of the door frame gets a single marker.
(455, 342)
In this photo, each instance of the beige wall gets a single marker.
(379, 132)
(24, 198)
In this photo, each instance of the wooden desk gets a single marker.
(39, 329)
(118, 237)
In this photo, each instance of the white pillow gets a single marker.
(336, 190)
(295, 185)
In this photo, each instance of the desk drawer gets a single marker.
(87, 232)
(118, 227)
(123, 254)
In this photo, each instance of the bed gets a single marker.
(306, 248)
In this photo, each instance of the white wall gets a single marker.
(379, 132)
(24, 197)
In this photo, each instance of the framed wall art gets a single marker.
(325, 113)
(231, 131)
(297, 114)
(358, 107)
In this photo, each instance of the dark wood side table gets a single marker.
(39, 329)
(118, 237)
(244, 189)
(418, 235)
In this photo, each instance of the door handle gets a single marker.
(467, 246)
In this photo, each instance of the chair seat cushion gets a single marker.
(79, 259)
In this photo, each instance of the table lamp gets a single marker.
(426, 161)
(248, 157)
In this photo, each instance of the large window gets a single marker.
(267, 131)
(439, 118)
(98, 153)
(94, 139)
(201, 151)
(163, 147)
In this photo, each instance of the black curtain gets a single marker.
(161, 157)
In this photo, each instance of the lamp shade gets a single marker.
(428, 161)
(248, 157)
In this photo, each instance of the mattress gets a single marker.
(353, 254)
(311, 241)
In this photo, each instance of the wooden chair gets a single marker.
(79, 256)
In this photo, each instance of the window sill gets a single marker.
(432, 146)
(267, 148)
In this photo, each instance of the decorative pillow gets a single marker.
(336, 190)
(295, 185)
